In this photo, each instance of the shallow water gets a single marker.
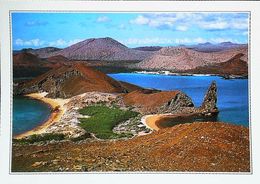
(28, 114)
(232, 94)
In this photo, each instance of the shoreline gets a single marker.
(168, 73)
(151, 121)
(55, 116)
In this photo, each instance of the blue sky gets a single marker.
(36, 30)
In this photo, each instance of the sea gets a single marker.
(232, 102)
(28, 114)
(233, 97)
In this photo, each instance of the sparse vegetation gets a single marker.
(82, 137)
(103, 119)
(40, 138)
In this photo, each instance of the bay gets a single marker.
(232, 101)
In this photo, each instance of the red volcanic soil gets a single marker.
(203, 147)
(234, 66)
(29, 65)
(57, 59)
(148, 99)
(26, 59)
(71, 80)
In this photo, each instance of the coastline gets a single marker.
(151, 121)
(168, 73)
(58, 109)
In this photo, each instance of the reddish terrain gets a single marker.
(29, 65)
(210, 147)
(148, 100)
(70, 80)
(182, 59)
(234, 66)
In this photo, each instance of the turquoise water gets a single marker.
(28, 114)
(232, 98)
(232, 94)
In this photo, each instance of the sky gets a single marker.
(37, 30)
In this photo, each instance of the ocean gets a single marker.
(232, 98)
(232, 94)
(28, 114)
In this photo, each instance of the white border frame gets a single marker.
(121, 7)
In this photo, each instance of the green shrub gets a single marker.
(103, 119)
(40, 138)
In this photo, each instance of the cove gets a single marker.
(232, 101)
(28, 114)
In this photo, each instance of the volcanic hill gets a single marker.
(102, 49)
(209, 47)
(70, 80)
(41, 52)
(26, 64)
(181, 59)
(234, 66)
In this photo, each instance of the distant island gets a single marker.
(104, 124)
(105, 54)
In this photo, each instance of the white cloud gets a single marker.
(200, 40)
(36, 23)
(103, 19)
(63, 43)
(245, 33)
(41, 43)
(34, 42)
(182, 21)
(122, 26)
(140, 20)
(155, 20)
(214, 25)
(174, 41)
(181, 28)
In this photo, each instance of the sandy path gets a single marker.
(54, 117)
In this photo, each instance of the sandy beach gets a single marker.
(150, 120)
(58, 110)
(153, 121)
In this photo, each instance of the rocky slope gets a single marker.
(182, 59)
(175, 102)
(102, 49)
(149, 101)
(29, 65)
(234, 66)
(203, 147)
(70, 80)
(41, 52)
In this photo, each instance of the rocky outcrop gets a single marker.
(149, 101)
(180, 101)
(174, 102)
(209, 104)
